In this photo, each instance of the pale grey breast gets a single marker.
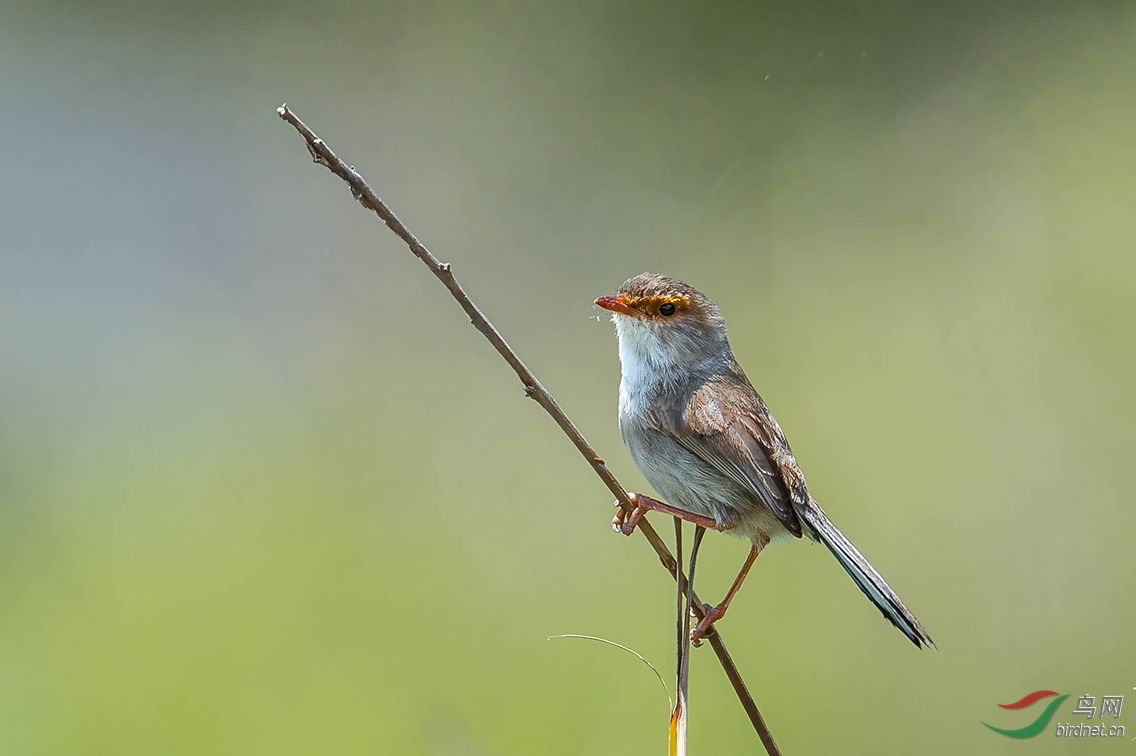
(680, 476)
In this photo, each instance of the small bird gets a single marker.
(703, 437)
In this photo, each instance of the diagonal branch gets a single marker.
(324, 155)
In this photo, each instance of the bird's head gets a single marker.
(665, 322)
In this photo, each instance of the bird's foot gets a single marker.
(625, 522)
(705, 627)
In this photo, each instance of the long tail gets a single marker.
(871, 582)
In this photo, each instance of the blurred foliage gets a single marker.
(262, 489)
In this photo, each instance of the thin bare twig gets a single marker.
(684, 677)
(676, 740)
(534, 389)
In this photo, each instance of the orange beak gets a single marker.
(620, 304)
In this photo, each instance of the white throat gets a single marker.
(645, 360)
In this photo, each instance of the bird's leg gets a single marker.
(625, 522)
(712, 614)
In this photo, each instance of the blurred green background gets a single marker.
(264, 490)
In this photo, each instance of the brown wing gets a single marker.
(744, 442)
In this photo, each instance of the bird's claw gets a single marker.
(705, 626)
(620, 517)
(625, 522)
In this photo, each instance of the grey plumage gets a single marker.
(864, 574)
(704, 438)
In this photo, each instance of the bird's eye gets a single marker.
(667, 309)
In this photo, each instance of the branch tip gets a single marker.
(442, 272)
